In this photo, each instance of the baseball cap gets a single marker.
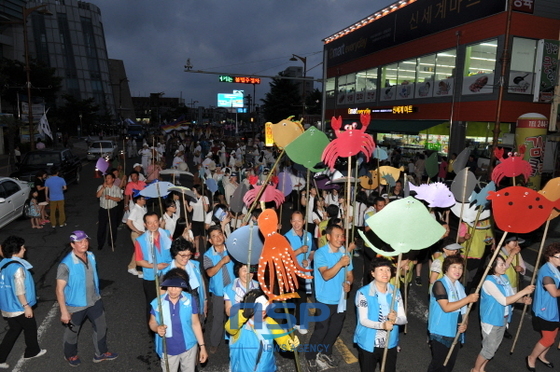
(175, 282)
(234, 174)
(136, 165)
(78, 235)
(453, 247)
(515, 239)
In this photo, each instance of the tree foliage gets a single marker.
(68, 116)
(313, 102)
(283, 100)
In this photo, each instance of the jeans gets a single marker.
(29, 328)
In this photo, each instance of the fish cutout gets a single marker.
(458, 185)
(479, 199)
(157, 189)
(369, 182)
(285, 183)
(461, 161)
(520, 210)
(380, 153)
(237, 244)
(285, 131)
(469, 212)
(324, 183)
(432, 166)
(385, 170)
(236, 203)
(308, 148)
(102, 165)
(389, 179)
(552, 192)
(404, 224)
(436, 194)
(212, 185)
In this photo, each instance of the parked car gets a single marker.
(69, 165)
(14, 195)
(102, 149)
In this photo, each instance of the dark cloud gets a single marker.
(154, 38)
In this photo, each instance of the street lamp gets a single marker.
(295, 57)
(26, 12)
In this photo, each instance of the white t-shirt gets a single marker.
(137, 217)
(198, 209)
(170, 222)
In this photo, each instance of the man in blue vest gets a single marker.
(77, 292)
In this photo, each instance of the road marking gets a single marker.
(349, 358)
(53, 312)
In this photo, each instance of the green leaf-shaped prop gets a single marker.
(308, 148)
(432, 167)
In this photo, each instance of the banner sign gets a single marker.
(547, 70)
(525, 6)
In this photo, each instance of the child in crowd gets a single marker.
(34, 210)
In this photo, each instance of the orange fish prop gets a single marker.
(369, 182)
(387, 170)
(552, 192)
(285, 131)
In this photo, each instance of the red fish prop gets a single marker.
(279, 258)
(519, 209)
(513, 166)
(350, 142)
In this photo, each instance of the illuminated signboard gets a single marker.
(406, 109)
(232, 100)
(239, 79)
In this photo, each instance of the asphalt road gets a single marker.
(124, 303)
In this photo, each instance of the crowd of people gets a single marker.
(178, 249)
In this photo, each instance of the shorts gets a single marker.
(198, 228)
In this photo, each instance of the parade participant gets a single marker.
(197, 152)
(319, 215)
(182, 252)
(301, 244)
(152, 172)
(250, 348)
(109, 196)
(235, 291)
(376, 318)
(436, 269)
(179, 325)
(54, 191)
(481, 244)
(545, 306)
(34, 210)
(298, 184)
(78, 296)
(138, 168)
(496, 310)
(199, 208)
(331, 197)
(230, 185)
(146, 154)
(179, 161)
(376, 204)
(39, 183)
(448, 305)
(154, 242)
(330, 262)
(221, 216)
(134, 183)
(17, 298)
(182, 229)
(169, 219)
(514, 262)
(219, 268)
(309, 208)
(135, 222)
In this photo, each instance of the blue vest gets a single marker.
(230, 291)
(245, 349)
(216, 285)
(491, 311)
(185, 313)
(9, 302)
(364, 336)
(163, 255)
(296, 242)
(544, 305)
(75, 290)
(440, 322)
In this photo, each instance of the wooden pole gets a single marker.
(160, 307)
(462, 205)
(110, 230)
(395, 291)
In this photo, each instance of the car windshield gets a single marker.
(98, 145)
(38, 158)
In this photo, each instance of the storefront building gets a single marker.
(430, 71)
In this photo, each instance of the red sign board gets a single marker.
(525, 6)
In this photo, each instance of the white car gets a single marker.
(102, 149)
(14, 195)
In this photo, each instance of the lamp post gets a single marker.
(26, 12)
(295, 57)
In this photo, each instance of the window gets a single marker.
(522, 66)
(330, 87)
(406, 77)
(10, 188)
(371, 84)
(480, 63)
(445, 64)
(361, 84)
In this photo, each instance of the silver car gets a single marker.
(102, 149)
(14, 195)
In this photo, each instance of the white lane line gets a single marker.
(53, 312)
(416, 308)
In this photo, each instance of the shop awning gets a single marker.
(397, 126)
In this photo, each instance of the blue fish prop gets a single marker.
(480, 198)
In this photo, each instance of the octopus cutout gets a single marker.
(278, 257)
(513, 166)
(270, 193)
(350, 142)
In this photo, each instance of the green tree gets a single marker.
(313, 102)
(68, 116)
(282, 101)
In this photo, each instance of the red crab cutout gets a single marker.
(519, 209)
(270, 193)
(279, 258)
(513, 166)
(350, 142)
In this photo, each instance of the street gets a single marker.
(124, 303)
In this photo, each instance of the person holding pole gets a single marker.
(545, 306)
(448, 304)
(376, 318)
(109, 196)
(496, 310)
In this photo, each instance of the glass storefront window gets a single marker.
(445, 64)
(480, 63)
(350, 88)
(361, 83)
(521, 76)
(389, 75)
(330, 87)
(371, 85)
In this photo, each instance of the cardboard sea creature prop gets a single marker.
(278, 258)
(285, 183)
(270, 193)
(389, 179)
(212, 185)
(237, 244)
(380, 153)
(236, 202)
(385, 170)
(102, 165)
(469, 212)
(461, 161)
(285, 131)
(308, 148)
(350, 142)
(480, 198)
(512, 166)
(552, 192)
(432, 166)
(521, 210)
(436, 194)
(324, 183)
(370, 181)
(463, 185)
(406, 225)
(157, 189)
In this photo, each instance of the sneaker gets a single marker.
(4, 366)
(53, 226)
(133, 272)
(303, 331)
(40, 353)
(418, 281)
(327, 359)
(140, 275)
(61, 226)
(105, 356)
(311, 365)
(74, 361)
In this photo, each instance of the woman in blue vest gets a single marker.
(17, 298)
(545, 306)
(496, 310)
(376, 318)
(448, 305)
